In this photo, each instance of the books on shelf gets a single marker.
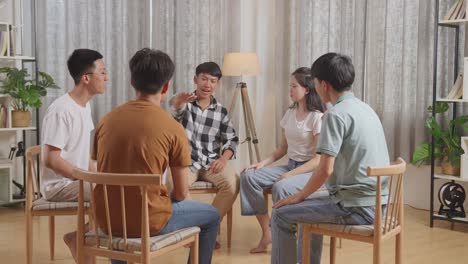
(457, 11)
(465, 72)
(3, 117)
(457, 89)
(6, 40)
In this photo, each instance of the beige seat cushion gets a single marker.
(43, 204)
(134, 244)
(201, 185)
(363, 230)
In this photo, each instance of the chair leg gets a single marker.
(376, 252)
(52, 236)
(29, 237)
(398, 247)
(333, 250)
(194, 251)
(229, 227)
(305, 244)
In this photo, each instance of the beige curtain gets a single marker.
(390, 43)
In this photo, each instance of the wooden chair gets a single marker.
(138, 250)
(201, 187)
(38, 206)
(381, 230)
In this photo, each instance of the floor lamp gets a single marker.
(244, 64)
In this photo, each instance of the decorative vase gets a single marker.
(20, 118)
(448, 169)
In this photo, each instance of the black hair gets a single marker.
(150, 69)
(81, 61)
(304, 79)
(336, 69)
(211, 68)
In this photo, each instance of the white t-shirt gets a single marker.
(67, 126)
(300, 134)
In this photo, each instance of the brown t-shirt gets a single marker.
(137, 137)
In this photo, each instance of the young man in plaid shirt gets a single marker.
(211, 135)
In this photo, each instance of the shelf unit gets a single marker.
(15, 168)
(435, 171)
(452, 100)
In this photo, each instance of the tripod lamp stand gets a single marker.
(244, 64)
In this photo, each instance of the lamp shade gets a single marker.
(240, 64)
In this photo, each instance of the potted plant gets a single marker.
(447, 142)
(25, 93)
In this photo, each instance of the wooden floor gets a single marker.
(422, 244)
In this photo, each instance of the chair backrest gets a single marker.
(33, 161)
(143, 181)
(393, 219)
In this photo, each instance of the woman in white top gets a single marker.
(300, 130)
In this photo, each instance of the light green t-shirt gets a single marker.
(353, 134)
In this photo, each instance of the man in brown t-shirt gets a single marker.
(140, 137)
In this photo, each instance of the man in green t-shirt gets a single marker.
(351, 139)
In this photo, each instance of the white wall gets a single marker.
(6, 8)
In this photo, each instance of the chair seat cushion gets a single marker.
(134, 244)
(43, 204)
(363, 230)
(201, 185)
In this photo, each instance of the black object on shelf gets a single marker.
(22, 192)
(452, 195)
(12, 152)
(20, 151)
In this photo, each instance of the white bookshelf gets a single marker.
(17, 129)
(17, 58)
(11, 19)
(456, 22)
(452, 100)
(456, 219)
(450, 177)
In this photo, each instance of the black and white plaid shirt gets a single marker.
(210, 132)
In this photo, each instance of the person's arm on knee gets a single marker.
(277, 154)
(230, 141)
(324, 170)
(309, 166)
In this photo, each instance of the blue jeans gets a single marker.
(320, 209)
(253, 182)
(191, 213)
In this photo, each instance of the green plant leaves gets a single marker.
(25, 92)
(446, 142)
(441, 107)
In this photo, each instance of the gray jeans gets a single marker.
(317, 210)
(253, 182)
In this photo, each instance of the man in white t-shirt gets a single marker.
(66, 131)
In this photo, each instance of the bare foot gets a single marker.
(70, 241)
(217, 245)
(262, 245)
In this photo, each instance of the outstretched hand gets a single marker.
(182, 98)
